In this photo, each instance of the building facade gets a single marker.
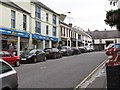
(28, 25)
(14, 26)
(101, 39)
(65, 34)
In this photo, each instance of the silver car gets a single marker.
(8, 76)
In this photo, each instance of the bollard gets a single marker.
(113, 67)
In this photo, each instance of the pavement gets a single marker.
(95, 80)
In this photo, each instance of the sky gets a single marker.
(86, 14)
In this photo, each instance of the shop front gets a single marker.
(54, 41)
(38, 41)
(44, 41)
(15, 39)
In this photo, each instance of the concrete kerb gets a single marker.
(84, 81)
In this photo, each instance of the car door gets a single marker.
(42, 54)
(37, 54)
(8, 75)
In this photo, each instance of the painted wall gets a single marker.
(6, 18)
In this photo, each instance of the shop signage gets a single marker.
(36, 36)
(53, 39)
(6, 31)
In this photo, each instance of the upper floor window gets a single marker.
(47, 29)
(61, 31)
(54, 31)
(54, 19)
(37, 12)
(47, 17)
(12, 19)
(64, 32)
(37, 27)
(24, 22)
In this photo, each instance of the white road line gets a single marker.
(90, 75)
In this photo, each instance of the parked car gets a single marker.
(33, 55)
(82, 49)
(10, 58)
(8, 76)
(76, 51)
(89, 48)
(53, 53)
(66, 51)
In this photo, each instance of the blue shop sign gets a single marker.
(14, 33)
(36, 36)
(53, 39)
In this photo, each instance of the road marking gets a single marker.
(90, 75)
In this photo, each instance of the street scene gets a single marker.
(59, 44)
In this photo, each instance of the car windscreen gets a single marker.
(26, 52)
(48, 49)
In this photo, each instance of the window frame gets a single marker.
(37, 12)
(13, 19)
(24, 22)
(38, 27)
(54, 31)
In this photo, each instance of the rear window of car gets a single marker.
(7, 54)
(1, 54)
(4, 68)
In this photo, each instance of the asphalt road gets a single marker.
(66, 72)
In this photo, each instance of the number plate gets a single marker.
(47, 52)
(23, 58)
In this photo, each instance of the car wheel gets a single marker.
(17, 64)
(44, 59)
(34, 59)
(67, 54)
(61, 56)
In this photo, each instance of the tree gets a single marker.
(113, 18)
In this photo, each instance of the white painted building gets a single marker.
(28, 24)
(101, 39)
(14, 26)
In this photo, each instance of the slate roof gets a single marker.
(104, 34)
(9, 3)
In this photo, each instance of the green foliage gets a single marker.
(113, 18)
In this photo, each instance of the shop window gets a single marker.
(46, 44)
